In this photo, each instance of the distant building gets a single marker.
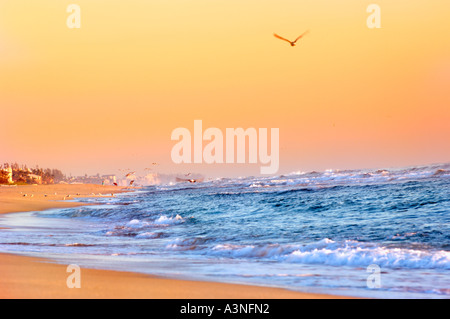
(109, 179)
(94, 179)
(9, 176)
(35, 178)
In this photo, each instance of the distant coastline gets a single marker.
(20, 174)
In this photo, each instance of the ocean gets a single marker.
(319, 232)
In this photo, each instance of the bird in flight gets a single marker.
(292, 43)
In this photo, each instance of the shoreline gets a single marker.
(26, 277)
(25, 198)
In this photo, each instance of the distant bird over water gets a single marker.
(129, 174)
(292, 43)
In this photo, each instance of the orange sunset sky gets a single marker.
(108, 95)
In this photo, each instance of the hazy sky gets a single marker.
(108, 95)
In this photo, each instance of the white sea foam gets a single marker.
(148, 235)
(349, 177)
(348, 253)
(187, 243)
(164, 220)
(134, 222)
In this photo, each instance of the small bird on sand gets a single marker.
(131, 183)
(292, 43)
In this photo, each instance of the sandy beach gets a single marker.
(29, 277)
(24, 198)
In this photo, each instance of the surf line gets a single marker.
(213, 152)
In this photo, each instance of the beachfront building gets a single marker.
(9, 173)
(37, 179)
(109, 179)
(6, 175)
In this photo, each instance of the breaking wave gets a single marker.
(347, 253)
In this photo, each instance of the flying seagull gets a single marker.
(292, 43)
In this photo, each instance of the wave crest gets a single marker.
(347, 253)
